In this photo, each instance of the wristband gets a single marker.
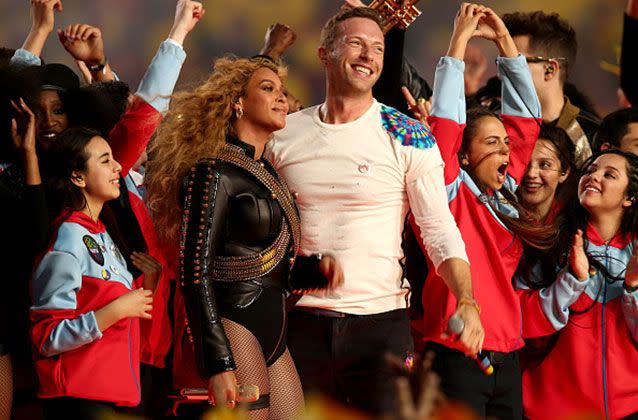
(471, 302)
(98, 67)
(629, 289)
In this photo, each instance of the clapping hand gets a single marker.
(631, 273)
(578, 259)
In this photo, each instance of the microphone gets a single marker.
(245, 393)
(455, 326)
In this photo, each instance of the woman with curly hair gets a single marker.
(237, 227)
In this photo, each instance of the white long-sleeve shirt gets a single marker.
(356, 183)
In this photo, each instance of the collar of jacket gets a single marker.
(249, 149)
(82, 220)
(568, 114)
(619, 240)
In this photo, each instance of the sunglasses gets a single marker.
(540, 59)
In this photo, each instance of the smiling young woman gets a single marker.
(485, 157)
(550, 176)
(589, 306)
(86, 304)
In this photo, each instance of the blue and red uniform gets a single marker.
(591, 367)
(493, 250)
(82, 272)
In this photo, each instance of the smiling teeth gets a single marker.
(363, 70)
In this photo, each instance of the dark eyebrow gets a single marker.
(613, 168)
(105, 154)
(267, 80)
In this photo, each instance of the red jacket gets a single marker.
(591, 367)
(492, 249)
(129, 139)
(82, 272)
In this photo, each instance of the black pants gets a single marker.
(343, 357)
(499, 395)
(75, 408)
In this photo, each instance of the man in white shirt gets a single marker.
(358, 166)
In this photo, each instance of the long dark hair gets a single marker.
(566, 192)
(567, 155)
(578, 218)
(66, 155)
(525, 227)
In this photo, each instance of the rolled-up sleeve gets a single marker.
(429, 204)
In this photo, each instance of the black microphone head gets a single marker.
(455, 325)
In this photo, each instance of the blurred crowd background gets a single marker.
(132, 29)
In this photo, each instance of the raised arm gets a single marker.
(85, 44)
(42, 22)
(521, 110)
(278, 39)
(447, 118)
(131, 134)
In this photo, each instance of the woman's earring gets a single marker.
(239, 112)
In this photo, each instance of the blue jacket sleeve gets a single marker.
(448, 99)
(161, 76)
(518, 94)
(55, 283)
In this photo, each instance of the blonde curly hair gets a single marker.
(195, 127)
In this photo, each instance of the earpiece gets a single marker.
(78, 177)
(549, 70)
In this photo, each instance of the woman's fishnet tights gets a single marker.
(280, 379)
(6, 387)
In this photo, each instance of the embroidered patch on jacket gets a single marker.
(408, 131)
(94, 249)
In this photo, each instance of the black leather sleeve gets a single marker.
(204, 212)
(397, 72)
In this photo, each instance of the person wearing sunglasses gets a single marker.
(549, 44)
